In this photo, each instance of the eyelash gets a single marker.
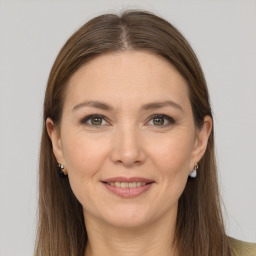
(89, 117)
(169, 119)
(166, 117)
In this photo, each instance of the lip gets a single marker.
(128, 179)
(128, 192)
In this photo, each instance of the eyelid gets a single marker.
(88, 117)
(170, 119)
(166, 117)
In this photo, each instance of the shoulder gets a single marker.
(240, 248)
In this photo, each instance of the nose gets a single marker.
(127, 148)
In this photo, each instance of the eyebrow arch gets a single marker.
(95, 104)
(149, 106)
(156, 105)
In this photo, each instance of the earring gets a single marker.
(60, 170)
(194, 172)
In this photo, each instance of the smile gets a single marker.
(127, 184)
(128, 187)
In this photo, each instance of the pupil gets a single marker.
(96, 121)
(158, 121)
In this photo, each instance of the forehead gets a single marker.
(133, 76)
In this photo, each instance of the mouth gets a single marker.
(127, 184)
(128, 187)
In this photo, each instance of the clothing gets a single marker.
(240, 248)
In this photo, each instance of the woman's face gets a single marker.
(127, 138)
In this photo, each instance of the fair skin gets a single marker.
(129, 141)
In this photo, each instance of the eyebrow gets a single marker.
(95, 104)
(156, 105)
(149, 106)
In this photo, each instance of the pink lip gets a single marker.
(126, 179)
(128, 192)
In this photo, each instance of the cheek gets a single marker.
(172, 161)
(83, 154)
(173, 154)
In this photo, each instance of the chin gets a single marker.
(126, 218)
(127, 223)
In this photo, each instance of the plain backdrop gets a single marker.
(223, 35)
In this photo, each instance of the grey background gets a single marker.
(222, 34)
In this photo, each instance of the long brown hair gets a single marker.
(61, 229)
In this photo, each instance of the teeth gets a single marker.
(118, 184)
(132, 185)
(127, 184)
(124, 185)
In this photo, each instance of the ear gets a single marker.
(201, 141)
(54, 135)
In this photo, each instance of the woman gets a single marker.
(127, 162)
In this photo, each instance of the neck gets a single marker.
(148, 240)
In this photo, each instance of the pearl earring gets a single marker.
(194, 172)
(60, 170)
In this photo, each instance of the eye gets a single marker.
(94, 120)
(161, 120)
